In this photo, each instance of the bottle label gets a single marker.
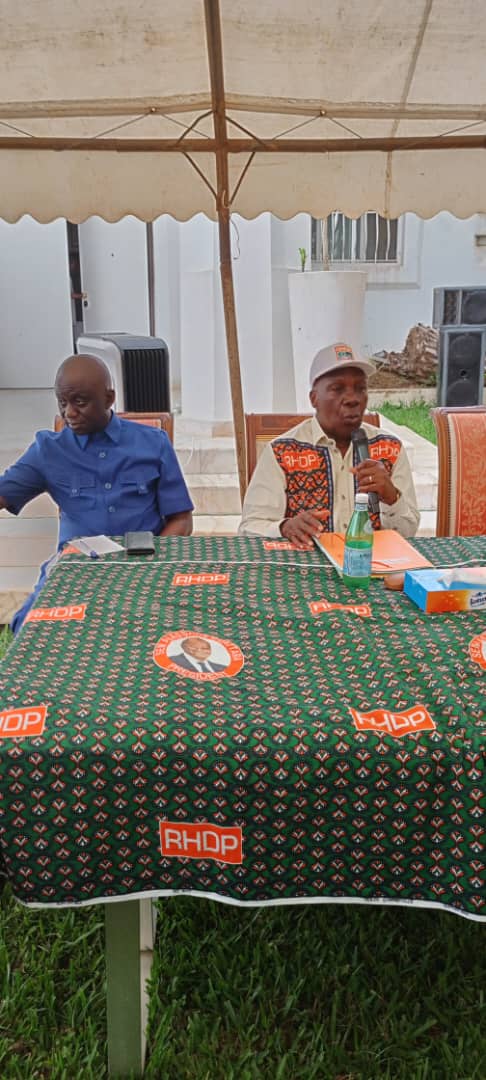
(357, 562)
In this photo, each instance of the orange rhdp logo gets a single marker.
(23, 723)
(181, 840)
(278, 545)
(394, 723)
(200, 579)
(384, 449)
(298, 460)
(57, 614)
(477, 649)
(316, 606)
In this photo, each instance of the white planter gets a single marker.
(325, 306)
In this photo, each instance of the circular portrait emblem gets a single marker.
(198, 656)
(477, 649)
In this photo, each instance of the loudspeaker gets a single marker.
(139, 368)
(461, 365)
(459, 307)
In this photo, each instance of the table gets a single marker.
(336, 754)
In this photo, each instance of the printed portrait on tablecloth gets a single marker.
(197, 655)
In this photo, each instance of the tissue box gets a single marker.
(431, 595)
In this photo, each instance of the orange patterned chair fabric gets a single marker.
(461, 501)
(262, 427)
(163, 421)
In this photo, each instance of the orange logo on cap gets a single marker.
(344, 354)
(20, 723)
(397, 724)
(181, 840)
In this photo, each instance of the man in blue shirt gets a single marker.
(107, 475)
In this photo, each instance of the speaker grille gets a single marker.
(461, 366)
(460, 307)
(451, 307)
(474, 308)
(146, 380)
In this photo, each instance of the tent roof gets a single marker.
(96, 99)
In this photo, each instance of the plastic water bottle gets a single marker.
(358, 545)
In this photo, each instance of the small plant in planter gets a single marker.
(303, 258)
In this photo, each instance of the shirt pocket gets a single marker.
(73, 492)
(136, 483)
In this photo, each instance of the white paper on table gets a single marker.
(101, 545)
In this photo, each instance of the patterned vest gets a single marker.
(308, 472)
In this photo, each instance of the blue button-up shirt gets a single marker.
(122, 479)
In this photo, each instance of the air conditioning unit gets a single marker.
(461, 365)
(460, 307)
(139, 368)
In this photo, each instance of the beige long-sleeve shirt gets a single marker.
(265, 504)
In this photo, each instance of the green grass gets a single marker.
(415, 416)
(322, 993)
(327, 992)
(5, 639)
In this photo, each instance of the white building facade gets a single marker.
(404, 262)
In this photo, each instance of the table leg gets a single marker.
(129, 940)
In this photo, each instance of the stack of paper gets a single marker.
(391, 553)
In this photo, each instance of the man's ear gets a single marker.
(312, 398)
(110, 397)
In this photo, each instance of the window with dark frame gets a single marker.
(369, 238)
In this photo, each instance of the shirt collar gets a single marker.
(199, 665)
(112, 430)
(319, 436)
(196, 664)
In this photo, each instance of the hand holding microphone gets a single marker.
(373, 477)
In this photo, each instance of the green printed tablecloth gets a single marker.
(328, 754)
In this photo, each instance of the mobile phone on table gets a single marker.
(139, 543)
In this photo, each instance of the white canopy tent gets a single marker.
(118, 107)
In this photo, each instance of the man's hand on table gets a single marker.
(373, 476)
(178, 524)
(303, 527)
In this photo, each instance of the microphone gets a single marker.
(359, 439)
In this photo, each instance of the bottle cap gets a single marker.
(361, 498)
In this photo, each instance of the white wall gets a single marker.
(252, 271)
(197, 318)
(167, 298)
(114, 275)
(436, 253)
(35, 303)
(35, 323)
(287, 237)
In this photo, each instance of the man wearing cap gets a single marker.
(305, 480)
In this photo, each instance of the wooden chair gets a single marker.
(262, 427)
(162, 420)
(461, 443)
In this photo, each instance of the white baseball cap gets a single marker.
(336, 356)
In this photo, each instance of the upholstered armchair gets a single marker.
(461, 502)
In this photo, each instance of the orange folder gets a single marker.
(391, 552)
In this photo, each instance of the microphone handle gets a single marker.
(363, 455)
(373, 502)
